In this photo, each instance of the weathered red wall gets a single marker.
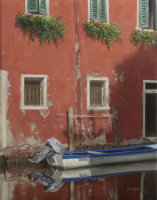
(126, 187)
(125, 65)
(22, 56)
(129, 186)
(28, 192)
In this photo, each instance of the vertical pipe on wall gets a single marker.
(3, 108)
(71, 144)
(70, 128)
(77, 56)
(117, 134)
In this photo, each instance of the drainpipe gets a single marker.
(3, 108)
(78, 74)
(77, 56)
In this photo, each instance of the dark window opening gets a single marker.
(149, 186)
(151, 14)
(151, 115)
(151, 86)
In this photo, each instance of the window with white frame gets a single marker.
(98, 10)
(34, 92)
(97, 93)
(37, 7)
(150, 108)
(148, 14)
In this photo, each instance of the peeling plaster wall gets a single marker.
(22, 56)
(15, 185)
(126, 66)
(6, 137)
(68, 65)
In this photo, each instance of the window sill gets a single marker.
(37, 14)
(34, 108)
(98, 108)
(152, 139)
(145, 29)
(90, 20)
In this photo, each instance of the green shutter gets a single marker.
(42, 7)
(94, 11)
(144, 14)
(32, 6)
(103, 10)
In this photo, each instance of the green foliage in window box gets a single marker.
(47, 29)
(106, 33)
(144, 38)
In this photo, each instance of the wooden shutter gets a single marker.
(32, 6)
(103, 10)
(94, 9)
(33, 92)
(144, 14)
(96, 96)
(43, 7)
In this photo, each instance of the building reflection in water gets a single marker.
(131, 185)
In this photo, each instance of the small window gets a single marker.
(148, 14)
(150, 109)
(34, 92)
(97, 93)
(37, 7)
(99, 10)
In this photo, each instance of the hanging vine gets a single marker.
(144, 38)
(106, 33)
(47, 29)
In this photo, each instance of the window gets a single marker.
(97, 93)
(99, 10)
(150, 108)
(148, 14)
(37, 6)
(34, 92)
(149, 184)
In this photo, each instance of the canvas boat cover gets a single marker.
(52, 147)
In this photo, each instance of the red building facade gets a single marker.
(79, 72)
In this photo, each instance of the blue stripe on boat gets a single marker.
(110, 150)
(105, 175)
(108, 154)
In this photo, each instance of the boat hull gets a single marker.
(91, 158)
(108, 170)
(101, 160)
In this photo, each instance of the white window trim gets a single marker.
(45, 79)
(103, 79)
(47, 4)
(147, 91)
(138, 5)
(107, 11)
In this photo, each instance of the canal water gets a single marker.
(136, 181)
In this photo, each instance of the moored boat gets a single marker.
(56, 157)
(53, 179)
(90, 158)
